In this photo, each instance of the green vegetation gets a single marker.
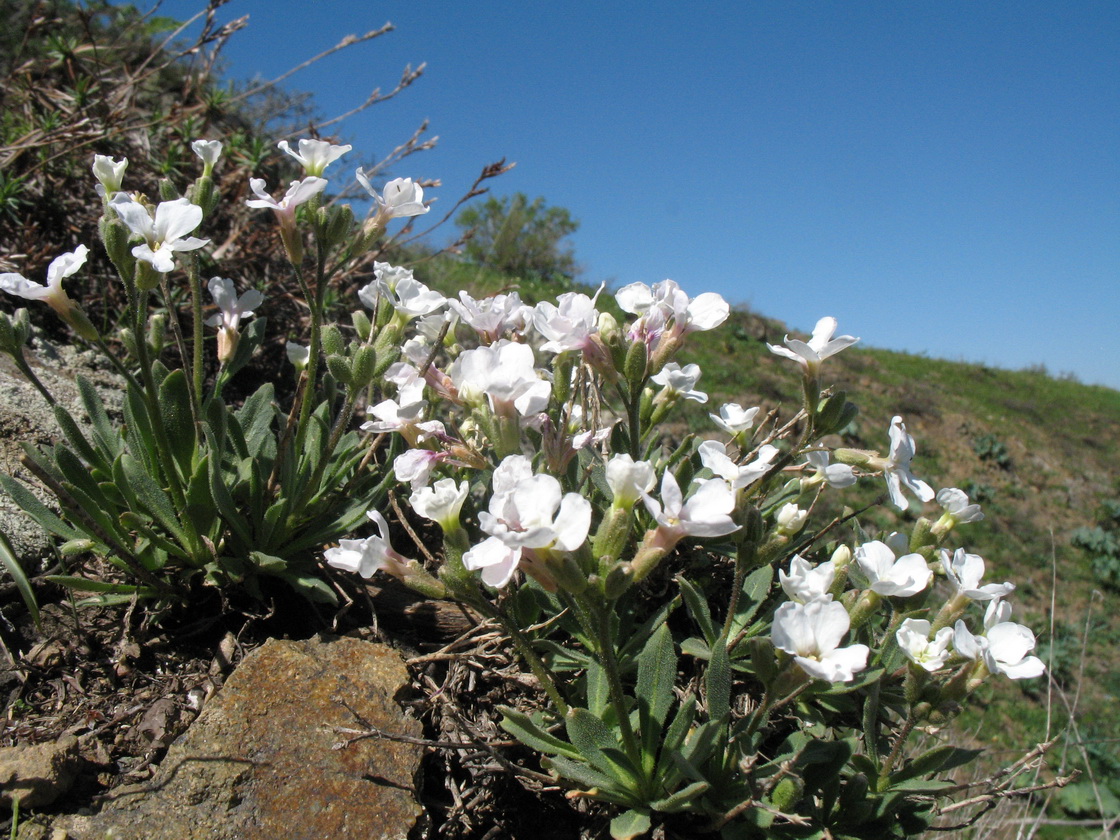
(521, 238)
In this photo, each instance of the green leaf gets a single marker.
(938, 760)
(81, 584)
(178, 422)
(756, 589)
(138, 429)
(76, 439)
(697, 606)
(598, 689)
(107, 437)
(598, 746)
(534, 736)
(588, 778)
(718, 683)
(231, 515)
(152, 499)
(11, 563)
(694, 646)
(680, 800)
(657, 674)
(676, 733)
(44, 516)
(629, 825)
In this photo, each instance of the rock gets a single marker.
(38, 774)
(261, 761)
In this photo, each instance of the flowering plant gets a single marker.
(185, 488)
(785, 706)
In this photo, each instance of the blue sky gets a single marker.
(943, 177)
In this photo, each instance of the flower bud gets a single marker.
(567, 573)
(128, 339)
(203, 194)
(339, 366)
(167, 190)
(157, 332)
(339, 225)
(856, 457)
(363, 366)
(333, 342)
(829, 413)
(634, 369)
(114, 236)
(787, 793)
(80, 323)
(922, 536)
(617, 581)
(361, 324)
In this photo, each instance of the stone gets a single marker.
(38, 774)
(265, 758)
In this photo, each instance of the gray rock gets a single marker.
(38, 774)
(262, 761)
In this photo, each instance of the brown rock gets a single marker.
(260, 762)
(38, 774)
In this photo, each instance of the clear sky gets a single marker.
(942, 176)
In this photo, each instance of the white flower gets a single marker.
(298, 193)
(569, 326)
(964, 571)
(298, 355)
(713, 455)
(956, 505)
(400, 198)
(706, 513)
(734, 419)
(681, 381)
(822, 345)
(208, 150)
(495, 559)
(415, 466)
(877, 568)
(666, 300)
(492, 316)
(915, 643)
(804, 583)
(412, 299)
(506, 373)
(812, 633)
(109, 173)
(368, 555)
(536, 513)
(164, 235)
(629, 480)
(790, 518)
(441, 502)
(52, 293)
(836, 475)
(315, 155)
(233, 309)
(896, 468)
(1004, 647)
